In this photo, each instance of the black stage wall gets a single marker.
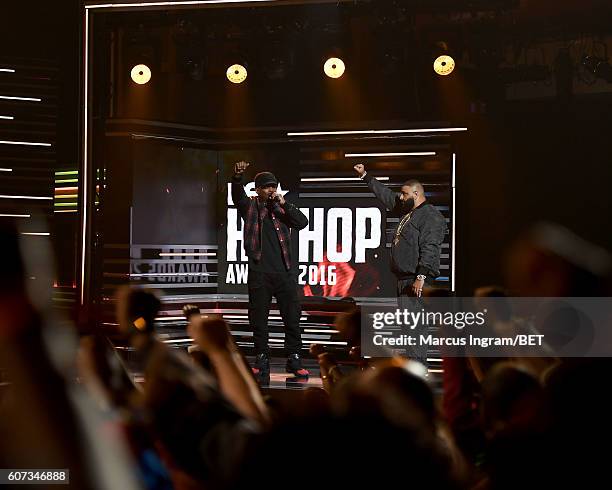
(520, 163)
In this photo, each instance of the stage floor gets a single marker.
(279, 379)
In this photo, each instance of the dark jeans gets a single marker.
(262, 286)
(407, 300)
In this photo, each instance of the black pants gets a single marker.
(283, 286)
(407, 300)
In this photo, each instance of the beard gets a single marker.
(405, 206)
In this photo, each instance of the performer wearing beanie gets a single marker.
(268, 220)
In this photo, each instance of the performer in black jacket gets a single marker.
(415, 250)
(268, 220)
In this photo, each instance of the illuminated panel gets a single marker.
(66, 196)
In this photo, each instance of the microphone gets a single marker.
(271, 202)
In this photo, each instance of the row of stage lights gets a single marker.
(334, 68)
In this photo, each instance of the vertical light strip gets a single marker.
(453, 231)
(85, 171)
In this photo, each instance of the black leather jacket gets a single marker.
(417, 249)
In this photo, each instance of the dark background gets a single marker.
(175, 195)
(543, 156)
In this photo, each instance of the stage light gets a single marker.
(236, 73)
(336, 179)
(182, 254)
(5, 196)
(444, 65)
(392, 154)
(316, 330)
(23, 143)
(27, 99)
(374, 131)
(141, 74)
(168, 4)
(334, 67)
(171, 274)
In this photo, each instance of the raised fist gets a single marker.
(316, 349)
(360, 169)
(240, 167)
(278, 198)
(212, 334)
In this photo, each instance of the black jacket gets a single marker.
(285, 218)
(418, 248)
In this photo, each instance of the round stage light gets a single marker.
(236, 73)
(334, 67)
(444, 65)
(141, 74)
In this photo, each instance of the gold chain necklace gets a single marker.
(398, 232)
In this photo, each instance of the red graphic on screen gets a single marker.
(344, 279)
(351, 280)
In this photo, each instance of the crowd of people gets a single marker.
(200, 420)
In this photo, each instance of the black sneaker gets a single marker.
(261, 369)
(294, 366)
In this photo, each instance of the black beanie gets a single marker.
(264, 179)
